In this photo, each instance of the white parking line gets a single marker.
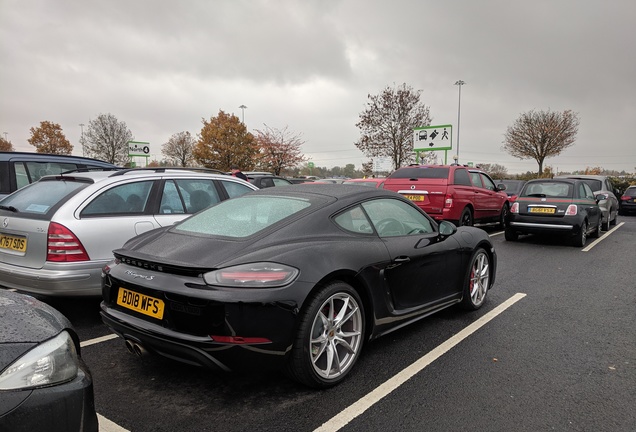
(98, 340)
(496, 233)
(359, 407)
(600, 239)
(106, 425)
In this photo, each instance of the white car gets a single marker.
(58, 233)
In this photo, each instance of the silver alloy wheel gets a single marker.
(336, 335)
(479, 278)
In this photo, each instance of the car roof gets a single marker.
(583, 176)
(96, 176)
(562, 180)
(332, 190)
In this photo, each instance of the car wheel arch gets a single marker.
(348, 277)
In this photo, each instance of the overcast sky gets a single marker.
(162, 66)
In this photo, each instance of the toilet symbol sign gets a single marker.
(433, 138)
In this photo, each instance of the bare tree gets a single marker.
(49, 138)
(107, 139)
(179, 149)
(387, 123)
(495, 171)
(6, 145)
(541, 134)
(279, 148)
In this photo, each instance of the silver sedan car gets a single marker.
(58, 233)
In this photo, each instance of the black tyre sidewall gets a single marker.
(467, 302)
(299, 366)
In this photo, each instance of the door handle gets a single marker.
(401, 259)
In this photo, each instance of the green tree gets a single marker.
(179, 149)
(279, 149)
(224, 141)
(107, 139)
(49, 138)
(386, 125)
(541, 134)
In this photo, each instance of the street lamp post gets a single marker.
(459, 83)
(5, 136)
(82, 137)
(242, 107)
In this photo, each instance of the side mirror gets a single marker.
(447, 228)
(501, 187)
(600, 197)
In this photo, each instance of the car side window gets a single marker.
(476, 178)
(38, 170)
(392, 217)
(235, 189)
(197, 193)
(487, 182)
(354, 220)
(461, 177)
(124, 199)
(587, 192)
(280, 182)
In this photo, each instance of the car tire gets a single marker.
(615, 220)
(330, 337)
(581, 236)
(477, 281)
(466, 219)
(503, 216)
(597, 231)
(510, 235)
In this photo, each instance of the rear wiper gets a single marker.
(10, 208)
(540, 195)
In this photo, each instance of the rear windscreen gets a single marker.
(40, 197)
(548, 190)
(420, 172)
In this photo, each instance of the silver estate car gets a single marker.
(601, 184)
(58, 233)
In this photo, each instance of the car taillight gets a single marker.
(514, 208)
(254, 275)
(572, 210)
(448, 201)
(63, 245)
(626, 198)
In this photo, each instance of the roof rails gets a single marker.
(163, 170)
(91, 169)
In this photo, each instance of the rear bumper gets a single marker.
(55, 279)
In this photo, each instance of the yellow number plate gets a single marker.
(13, 243)
(140, 303)
(541, 210)
(418, 198)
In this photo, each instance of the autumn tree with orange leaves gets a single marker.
(49, 138)
(279, 149)
(541, 134)
(6, 145)
(224, 141)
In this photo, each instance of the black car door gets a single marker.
(424, 269)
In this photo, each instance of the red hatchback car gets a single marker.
(462, 195)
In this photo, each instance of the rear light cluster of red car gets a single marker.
(63, 245)
(448, 201)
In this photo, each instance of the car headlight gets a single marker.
(254, 275)
(52, 362)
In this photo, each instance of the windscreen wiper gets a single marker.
(10, 208)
